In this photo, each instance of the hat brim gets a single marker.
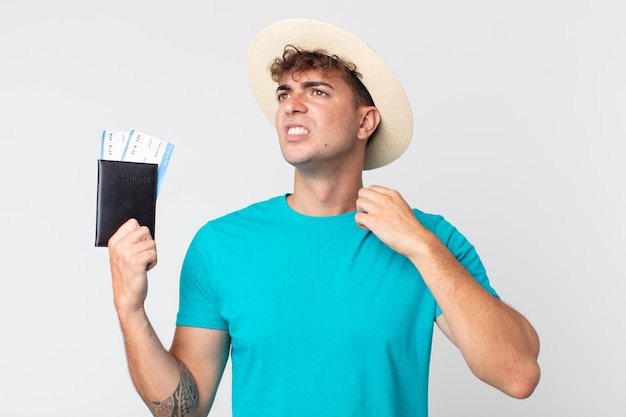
(396, 126)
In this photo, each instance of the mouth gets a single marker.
(297, 131)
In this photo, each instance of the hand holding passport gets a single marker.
(130, 170)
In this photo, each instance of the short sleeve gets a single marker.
(460, 247)
(198, 304)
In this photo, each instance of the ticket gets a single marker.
(113, 145)
(135, 146)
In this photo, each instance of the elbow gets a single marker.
(522, 383)
(523, 373)
(517, 379)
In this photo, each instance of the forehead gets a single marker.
(329, 76)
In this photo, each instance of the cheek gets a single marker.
(342, 125)
(277, 119)
(278, 123)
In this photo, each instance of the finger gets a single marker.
(364, 205)
(129, 243)
(377, 193)
(151, 265)
(377, 188)
(361, 220)
(370, 201)
(127, 227)
(140, 234)
(130, 235)
(148, 258)
(368, 194)
(143, 244)
(380, 189)
(138, 256)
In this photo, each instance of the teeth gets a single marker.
(297, 131)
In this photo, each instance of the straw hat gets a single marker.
(396, 126)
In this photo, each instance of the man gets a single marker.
(326, 297)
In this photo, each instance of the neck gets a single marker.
(325, 195)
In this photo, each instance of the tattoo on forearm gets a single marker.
(182, 401)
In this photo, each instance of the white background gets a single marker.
(520, 120)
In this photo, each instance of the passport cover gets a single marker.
(125, 190)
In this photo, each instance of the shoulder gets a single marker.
(430, 220)
(436, 223)
(440, 226)
(243, 218)
(261, 208)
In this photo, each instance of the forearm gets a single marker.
(165, 384)
(499, 344)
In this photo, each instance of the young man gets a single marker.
(326, 297)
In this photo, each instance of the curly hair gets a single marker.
(295, 60)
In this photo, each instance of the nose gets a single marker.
(294, 104)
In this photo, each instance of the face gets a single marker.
(317, 122)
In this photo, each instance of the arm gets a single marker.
(181, 382)
(499, 345)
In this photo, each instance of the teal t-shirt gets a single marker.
(325, 319)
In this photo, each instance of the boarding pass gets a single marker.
(135, 146)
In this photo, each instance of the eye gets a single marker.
(282, 96)
(317, 92)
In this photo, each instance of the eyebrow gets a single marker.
(305, 84)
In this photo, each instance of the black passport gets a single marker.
(125, 190)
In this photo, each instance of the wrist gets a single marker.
(423, 246)
(129, 312)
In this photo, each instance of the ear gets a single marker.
(370, 118)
